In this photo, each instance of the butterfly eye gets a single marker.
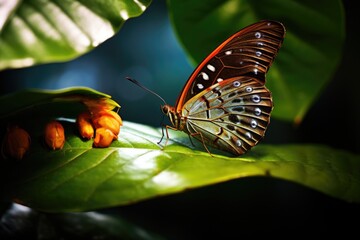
(165, 109)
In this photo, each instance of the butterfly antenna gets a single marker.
(150, 91)
(145, 88)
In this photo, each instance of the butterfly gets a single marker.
(224, 103)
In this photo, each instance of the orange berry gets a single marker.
(109, 120)
(84, 125)
(16, 143)
(54, 135)
(103, 137)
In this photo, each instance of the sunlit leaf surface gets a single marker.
(134, 168)
(37, 31)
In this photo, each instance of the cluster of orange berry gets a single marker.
(104, 124)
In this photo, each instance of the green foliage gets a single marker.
(134, 168)
(80, 177)
(305, 64)
(36, 31)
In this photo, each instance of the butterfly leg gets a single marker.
(202, 141)
(162, 135)
(192, 143)
(167, 127)
(167, 134)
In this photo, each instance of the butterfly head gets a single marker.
(170, 112)
(165, 109)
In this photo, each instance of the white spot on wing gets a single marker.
(256, 98)
(248, 89)
(253, 123)
(248, 135)
(236, 84)
(258, 35)
(204, 76)
(211, 67)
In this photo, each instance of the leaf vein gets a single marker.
(81, 172)
(56, 168)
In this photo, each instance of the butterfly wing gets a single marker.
(249, 52)
(232, 115)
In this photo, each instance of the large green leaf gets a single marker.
(306, 62)
(80, 177)
(39, 31)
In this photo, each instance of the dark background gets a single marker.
(146, 49)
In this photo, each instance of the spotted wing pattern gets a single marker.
(231, 115)
(249, 52)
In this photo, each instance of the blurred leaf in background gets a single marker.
(36, 31)
(20, 222)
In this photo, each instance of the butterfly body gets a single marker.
(225, 104)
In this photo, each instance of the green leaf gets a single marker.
(36, 31)
(134, 168)
(51, 103)
(305, 64)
